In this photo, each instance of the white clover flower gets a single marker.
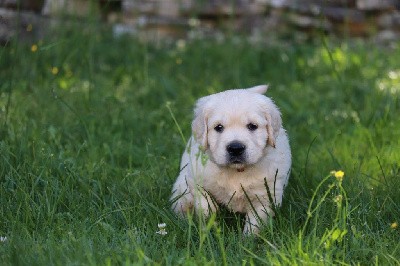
(162, 230)
(162, 226)
(3, 238)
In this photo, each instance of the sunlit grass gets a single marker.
(92, 130)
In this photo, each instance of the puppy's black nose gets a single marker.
(235, 148)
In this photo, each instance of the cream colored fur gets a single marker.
(206, 168)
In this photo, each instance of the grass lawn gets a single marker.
(89, 151)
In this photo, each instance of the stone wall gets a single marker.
(299, 19)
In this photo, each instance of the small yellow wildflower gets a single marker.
(54, 70)
(394, 225)
(338, 174)
(29, 27)
(178, 61)
(34, 48)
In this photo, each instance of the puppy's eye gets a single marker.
(219, 128)
(252, 126)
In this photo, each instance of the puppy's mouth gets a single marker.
(236, 160)
(237, 163)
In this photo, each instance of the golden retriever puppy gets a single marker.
(238, 146)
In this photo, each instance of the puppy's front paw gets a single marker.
(180, 208)
(205, 206)
(253, 222)
(182, 204)
(250, 229)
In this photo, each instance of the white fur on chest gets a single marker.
(229, 187)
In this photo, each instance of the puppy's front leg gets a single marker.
(203, 203)
(254, 219)
(186, 199)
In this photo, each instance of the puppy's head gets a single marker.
(235, 127)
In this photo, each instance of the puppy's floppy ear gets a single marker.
(274, 121)
(199, 124)
(261, 89)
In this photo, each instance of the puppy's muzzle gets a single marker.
(235, 151)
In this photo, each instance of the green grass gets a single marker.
(88, 155)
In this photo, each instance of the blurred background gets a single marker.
(260, 20)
